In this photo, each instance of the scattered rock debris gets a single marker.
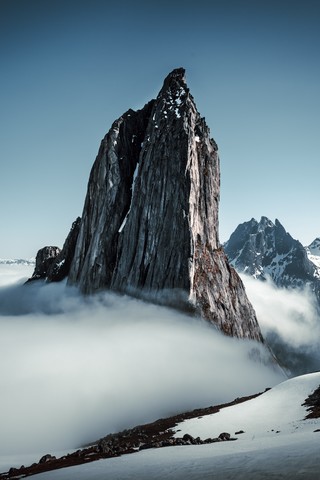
(152, 435)
(313, 404)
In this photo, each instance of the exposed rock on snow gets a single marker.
(286, 405)
(313, 252)
(143, 437)
(47, 458)
(281, 443)
(313, 404)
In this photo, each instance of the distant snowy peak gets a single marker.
(314, 247)
(265, 250)
(313, 252)
(17, 261)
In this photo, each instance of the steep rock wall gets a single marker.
(150, 220)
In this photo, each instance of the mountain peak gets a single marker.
(269, 251)
(174, 85)
(314, 246)
(177, 75)
(266, 222)
(149, 226)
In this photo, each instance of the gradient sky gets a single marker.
(70, 68)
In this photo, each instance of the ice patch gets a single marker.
(135, 174)
(123, 223)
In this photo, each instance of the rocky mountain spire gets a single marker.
(150, 220)
(149, 226)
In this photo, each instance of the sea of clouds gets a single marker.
(290, 322)
(73, 369)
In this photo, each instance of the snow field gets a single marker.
(258, 454)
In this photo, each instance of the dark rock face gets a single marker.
(150, 220)
(53, 264)
(264, 249)
(44, 259)
(47, 458)
(314, 247)
(61, 266)
(108, 201)
(313, 253)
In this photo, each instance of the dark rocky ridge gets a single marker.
(45, 258)
(266, 250)
(53, 264)
(150, 221)
(157, 434)
(61, 266)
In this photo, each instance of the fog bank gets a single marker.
(289, 321)
(75, 369)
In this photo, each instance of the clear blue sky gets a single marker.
(69, 68)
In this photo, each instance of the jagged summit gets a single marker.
(177, 75)
(314, 247)
(266, 250)
(313, 252)
(150, 220)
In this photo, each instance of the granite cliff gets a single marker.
(150, 220)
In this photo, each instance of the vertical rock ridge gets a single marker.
(150, 219)
(108, 201)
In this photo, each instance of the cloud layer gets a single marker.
(290, 322)
(75, 369)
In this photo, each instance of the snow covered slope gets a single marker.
(313, 252)
(278, 411)
(277, 443)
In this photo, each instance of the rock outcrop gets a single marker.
(53, 264)
(313, 253)
(44, 260)
(150, 220)
(61, 266)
